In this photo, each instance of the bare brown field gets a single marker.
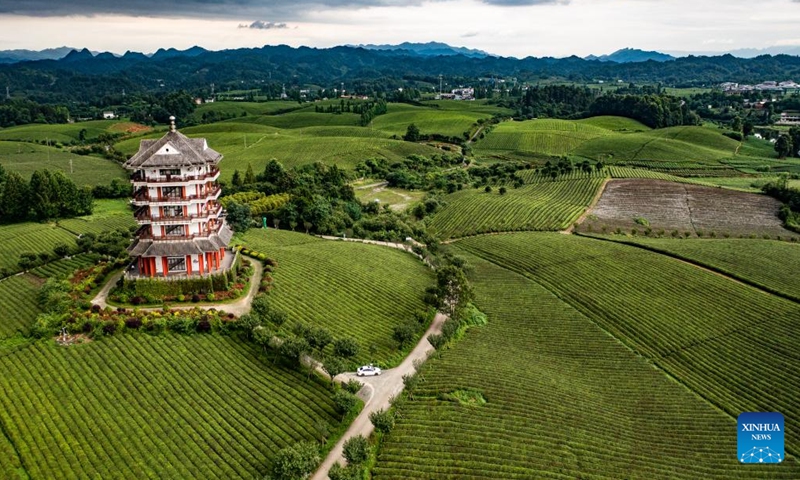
(698, 210)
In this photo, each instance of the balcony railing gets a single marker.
(139, 177)
(144, 196)
(146, 217)
(149, 236)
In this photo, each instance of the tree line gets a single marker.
(653, 109)
(21, 112)
(48, 195)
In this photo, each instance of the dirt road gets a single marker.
(376, 393)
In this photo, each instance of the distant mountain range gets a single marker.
(430, 49)
(632, 55)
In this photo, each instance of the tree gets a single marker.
(794, 135)
(382, 420)
(334, 366)
(296, 462)
(344, 401)
(410, 381)
(412, 134)
(350, 472)
(262, 336)
(249, 176)
(294, 348)
(236, 180)
(44, 198)
(783, 146)
(14, 203)
(322, 429)
(736, 124)
(747, 128)
(356, 450)
(403, 334)
(238, 216)
(346, 347)
(278, 317)
(261, 307)
(61, 249)
(319, 338)
(488, 189)
(503, 190)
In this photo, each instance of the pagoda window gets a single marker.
(166, 172)
(175, 230)
(172, 192)
(176, 264)
(173, 211)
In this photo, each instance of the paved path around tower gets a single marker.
(238, 308)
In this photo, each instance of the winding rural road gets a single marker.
(238, 308)
(377, 393)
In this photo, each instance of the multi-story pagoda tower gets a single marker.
(175, 192)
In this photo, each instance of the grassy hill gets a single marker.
(140, 406)
(563, 400)
(451, 122)
(304, 142)
(699, 327)
(25, 158)
(68, 132)
(352, 289)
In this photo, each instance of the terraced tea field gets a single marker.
(140, 406)
(63, 133)
(705, 330)
(29, 237)
(25, 158)
(107, 215)
(64, 267)
(554, 410)
(539, 206)
(18, 305)
(684, 207)
(546, 137)
(768, 264)
(448, 122)
(349, 288)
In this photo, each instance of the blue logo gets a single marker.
(760, 438)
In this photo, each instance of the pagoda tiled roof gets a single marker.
(191, 152)
(150, 248)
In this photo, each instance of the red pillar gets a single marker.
(216, 259)
(200, 257)
(188, 264)
(164, 265)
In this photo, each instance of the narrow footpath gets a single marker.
(377, 393)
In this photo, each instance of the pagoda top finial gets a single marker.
(172, 123)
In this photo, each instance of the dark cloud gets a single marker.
(262, 25)
(290, 9)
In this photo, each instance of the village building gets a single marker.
(183, 231)
(789, 118)
(109, 115)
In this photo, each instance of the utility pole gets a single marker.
(440, 85)
(8, 93)
(245, 141)
(70, 166)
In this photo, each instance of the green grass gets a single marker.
(18, 306)
(541, 206)
(29, 237)
(762, 262)
(475, 106)
(352, 289)
(397, 198)
(107, 215)
(138, 406)
(332, 144)
(564, 400)
(616, 124)
(25, 158)
(63, 133)
(705, 330)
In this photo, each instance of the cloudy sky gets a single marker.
(506, 27)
